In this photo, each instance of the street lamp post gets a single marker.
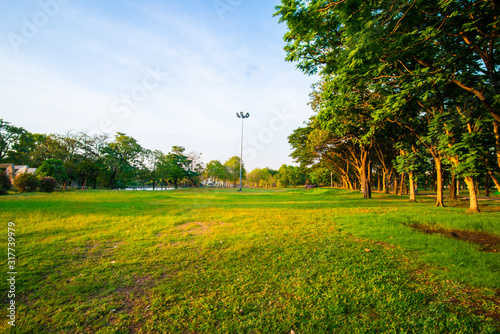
(242, 116)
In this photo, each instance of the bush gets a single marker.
(5, 183)
(26, 182)
(48, 184)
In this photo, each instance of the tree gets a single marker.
(409, 162)
(53, 168)
(233, 170)
(121, 155)
(462, 142)
(216, 171)
(261, 177)
(87, 169)
(177, 165)
(320, 176)
(194, 168)
(346, 103)
(5, 184)
(254, 177)
(289, 176)
(9, 137)
(398, 48)
(283, 177)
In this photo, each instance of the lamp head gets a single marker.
(241, 114)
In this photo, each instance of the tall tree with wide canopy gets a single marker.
(216, 170)
(10, 136)
(122, 154)
(387, 42)
(451, 42)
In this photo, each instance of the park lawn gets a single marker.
(261, 261)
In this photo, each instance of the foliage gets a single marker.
(48, 184)
(9, 138)
(177, 166)
(5, 183)
(87, 169)
(216, 170)
(194, 168)
(290, 176)
(53, 168)
(121, 156)
(233, 170)
(321, 176)
(26, 182)
(407, 63)
(261, 177)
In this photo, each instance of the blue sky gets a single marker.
(164, 72)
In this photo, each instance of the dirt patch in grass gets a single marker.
(198, 228)
(490, 243)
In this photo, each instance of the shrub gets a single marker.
(26, 182)
(48, 184)
(5, 183)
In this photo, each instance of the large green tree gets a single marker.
(121, 155)
(233, 170)
(216, 171)
(180, 167)
(397, 47)
(10, 136)
(53, 168)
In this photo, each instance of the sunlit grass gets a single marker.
(261, 261)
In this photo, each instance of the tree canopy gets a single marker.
(428, 67)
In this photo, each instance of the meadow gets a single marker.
(260, 261)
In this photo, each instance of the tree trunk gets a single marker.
(474, 207)
(413, 197)
(365, 173)
(401, 184)
(395, 184)
(349, 184)
(496, 129)
(439, 183)
(379, 182)
(112, 179)
(487, 185)
(385, 189)
(370, 176)
(495, 181)
(453, 187)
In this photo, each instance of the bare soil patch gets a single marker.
(490, 243)
(198, 228)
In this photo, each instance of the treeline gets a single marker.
(100, 161)
(408, 92)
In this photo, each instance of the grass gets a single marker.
(261, 261)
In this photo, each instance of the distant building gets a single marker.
(12, 170)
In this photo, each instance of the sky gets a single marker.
(164, 72)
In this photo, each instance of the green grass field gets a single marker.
(261, 261)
